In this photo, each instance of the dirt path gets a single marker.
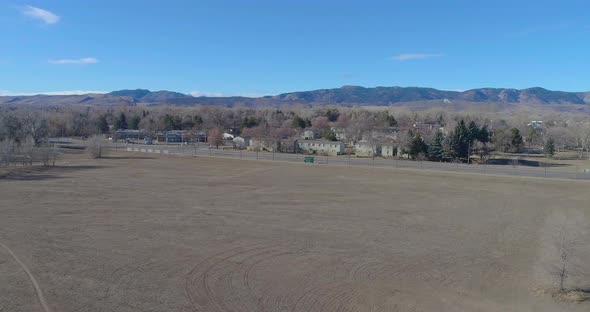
(38, 290)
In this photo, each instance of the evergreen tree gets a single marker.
(436, 150)
(102, 125)
(472, 132)
(249, 122)
(417, 146)
(549, 148)
(172, 122)
(484, 135)
(187, 123)
(391, 121)
(198, 121)
(121, 122)
(332, 114)
(134, 122)
(516, 141)
(329, 135)
(298, 122)
(459, 142)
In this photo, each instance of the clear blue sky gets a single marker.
(269, 47)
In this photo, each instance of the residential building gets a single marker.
(388, 150)
(308, 135)
(173, 136)
(128, 134)
(367, 149)
(200, 136)
(339, 133)
(332, 148)
(228, 136)
(536, 124)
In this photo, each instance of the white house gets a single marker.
(228, 136)
(308, 135)
(536, 124)
(388, 150)
(339, 133)
(255, 144)
(332, 148)
(367, 149)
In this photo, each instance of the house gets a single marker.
(367, 149)
(173, 136)
(241, 142)
(255, 144)
(388, 150)
(332, 148)
(308, 135)
(536, 124)
(200, 137)
(339, 133)
(128, 134)
(228, 136)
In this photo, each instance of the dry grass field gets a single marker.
(138, 233)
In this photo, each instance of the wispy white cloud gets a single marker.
(65, 92)
(416, 56)
(40, 14)
(85, 60)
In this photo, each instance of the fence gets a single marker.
(572, 172)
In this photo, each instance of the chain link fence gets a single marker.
(563, 172)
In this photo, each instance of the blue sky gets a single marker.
(268, 47)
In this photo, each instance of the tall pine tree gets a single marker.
(102, 125)
(459, 142)
(516, 141)
(134, 122)
(417, 147)
(121, 122)
(472, 131)
(484, 135)
(549, 148)
(436, 150)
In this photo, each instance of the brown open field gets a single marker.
(151, 233)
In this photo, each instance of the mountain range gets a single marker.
(410, 97)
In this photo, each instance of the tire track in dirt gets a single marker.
(326, 292)
(222, 282)
(38, 290)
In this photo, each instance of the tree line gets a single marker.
(436, 134)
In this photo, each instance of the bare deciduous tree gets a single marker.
(48, 155)
(7, 152)
(95, 146)
(215, 137)
(564, 253)
(26, 151)
(581, 134)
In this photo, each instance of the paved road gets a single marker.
(203, 150)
